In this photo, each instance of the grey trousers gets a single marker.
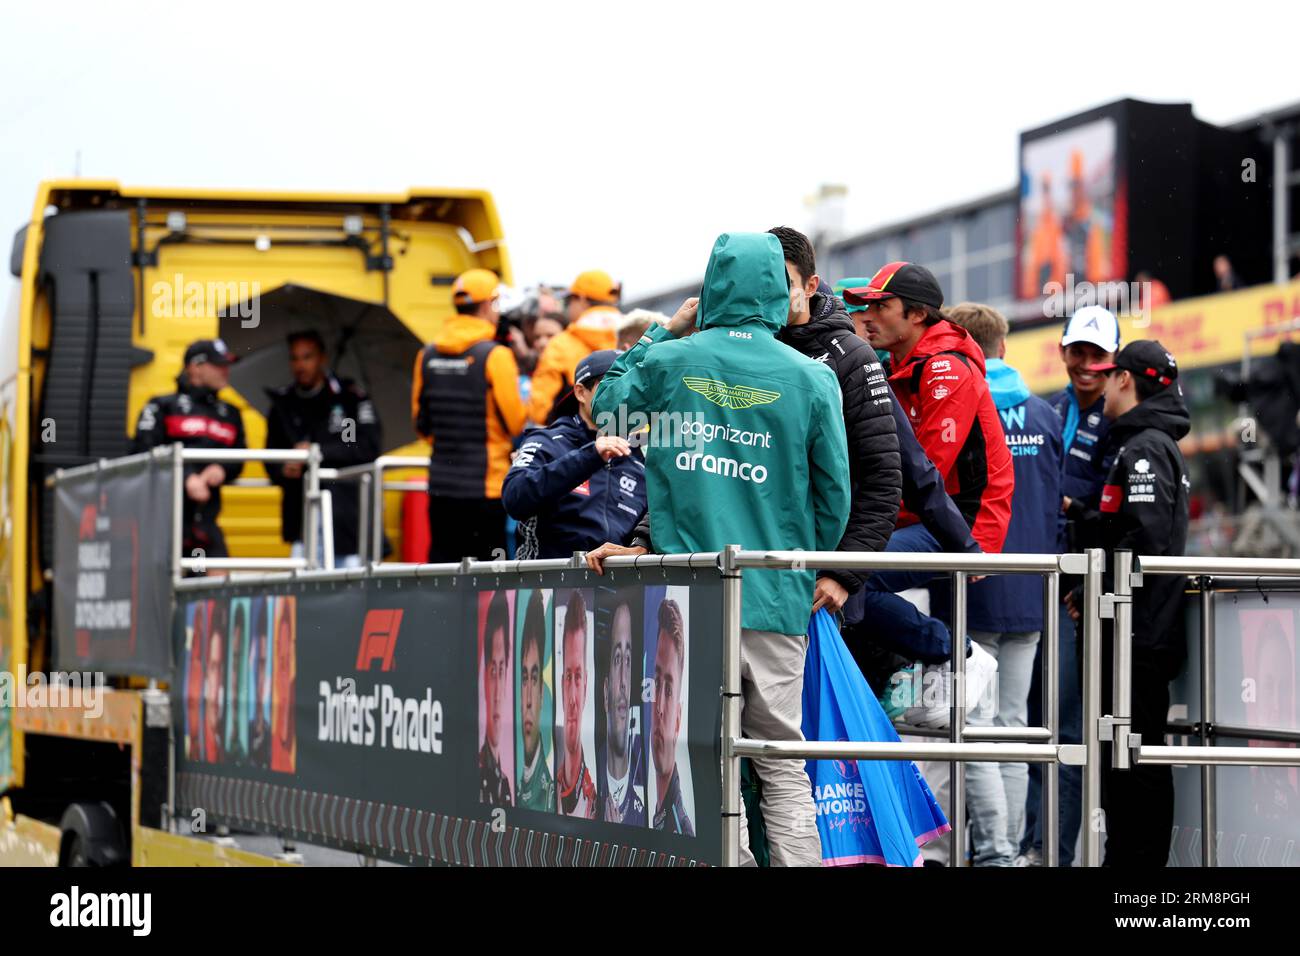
(771, 681)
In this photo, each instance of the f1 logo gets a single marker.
(378, 639)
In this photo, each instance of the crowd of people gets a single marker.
(861, 416)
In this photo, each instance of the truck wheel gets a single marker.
(91, 836)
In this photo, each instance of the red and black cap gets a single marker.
(209, 350)
(1145, 358)
(905, 280)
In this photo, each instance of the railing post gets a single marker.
(311, 506)
(1209, 773)
(363, 518)
(377, 511)
(957, 720)
(1051, 679)
(1121, 722)
(178, 509)
(1091, 638)
(731, 622)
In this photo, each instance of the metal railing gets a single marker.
(1028, 745)
(1128, 750)
(964, 744)
(317, 512)
(370, 476)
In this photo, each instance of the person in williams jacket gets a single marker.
(1144, 510)
(335, 414)
(569, 488)
(1005, 611)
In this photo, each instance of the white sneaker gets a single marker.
(1030, 857)
(981, 669)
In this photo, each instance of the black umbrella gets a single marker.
(365, 342)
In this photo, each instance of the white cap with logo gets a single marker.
(1095, 325)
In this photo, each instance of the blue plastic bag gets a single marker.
(868, 811)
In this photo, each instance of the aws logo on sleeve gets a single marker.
(730, 396)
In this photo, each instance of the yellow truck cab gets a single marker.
(113, 282)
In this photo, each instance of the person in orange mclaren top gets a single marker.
(592, 304)
(465, 401)
(1045, 251)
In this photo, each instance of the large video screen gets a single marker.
(1071, 200)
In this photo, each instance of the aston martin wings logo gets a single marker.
(730, 396)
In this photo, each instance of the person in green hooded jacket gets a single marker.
(757, 457)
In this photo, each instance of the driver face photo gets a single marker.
(213, 691)
(575, 684)
(531, 685)
(494, 682)
(667, 703)
(618, 682)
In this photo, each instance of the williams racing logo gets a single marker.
(730, 396)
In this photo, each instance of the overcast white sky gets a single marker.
(620, 136)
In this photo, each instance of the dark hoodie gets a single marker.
(1144, 510)
(828, 337)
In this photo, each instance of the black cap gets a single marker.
(213, 351)
(905, 280)
(593, 366)
(1145, 358)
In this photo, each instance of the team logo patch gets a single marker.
(730, 396)
(1112, 496)
(583, 489)
(1142, 466)
(1094, 419)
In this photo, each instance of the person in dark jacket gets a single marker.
(338, 416)
(1143, 510)
(1091, 336)
(571, 488)
(194, 416)
(819, 327)
(1005, 612)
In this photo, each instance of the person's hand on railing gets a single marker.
(1072, 605)
(596, 557)
(829, 594)
(294, 469)
(197, 488)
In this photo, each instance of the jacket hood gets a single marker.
(595, 335)
(1164, 411)
(1006, 384)
(943, 336)
(459, 332)
(745, 283)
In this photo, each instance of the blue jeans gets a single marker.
(1071, 727)
(895, 623)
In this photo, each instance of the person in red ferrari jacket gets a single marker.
(937, 373)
